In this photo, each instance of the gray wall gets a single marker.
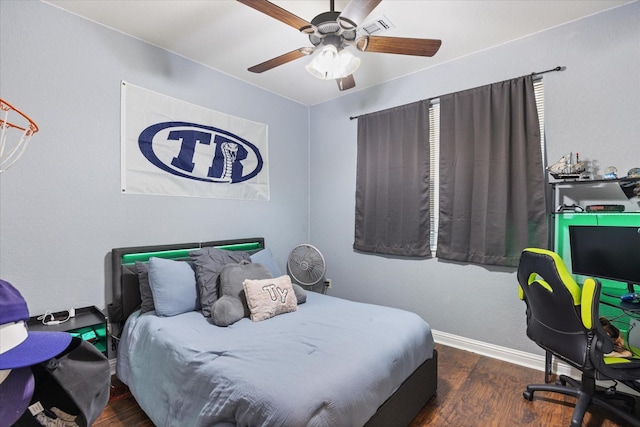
(593, 108)
(61, 210)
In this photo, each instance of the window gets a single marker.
(434, 149)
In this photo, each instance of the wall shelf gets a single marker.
(594, 181)
(589, 192)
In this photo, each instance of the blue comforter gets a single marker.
(332, 363)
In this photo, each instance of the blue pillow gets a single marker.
(265, 258)
(173, 285)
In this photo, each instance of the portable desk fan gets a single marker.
(307, 266)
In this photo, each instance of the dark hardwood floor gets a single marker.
(473, 390)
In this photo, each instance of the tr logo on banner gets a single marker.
(170, 147)
(226, 164)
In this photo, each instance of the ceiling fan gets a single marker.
(331, 32)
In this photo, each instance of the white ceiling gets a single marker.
(230, 37)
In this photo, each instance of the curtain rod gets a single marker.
(535, 73)
(558, 68)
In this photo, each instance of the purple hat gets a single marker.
(15, 394)
(18, 347)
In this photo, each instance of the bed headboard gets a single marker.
(124, 280)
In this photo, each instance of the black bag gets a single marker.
(75, 382)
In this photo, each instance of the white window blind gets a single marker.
(434, 185)
(538, 89)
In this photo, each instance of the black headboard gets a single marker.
(124, 281)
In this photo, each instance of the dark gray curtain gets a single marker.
(492, 187)
(392, 183)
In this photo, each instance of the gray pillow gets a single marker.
(208, 263)
(227, 310)
(232, 304)
(301, 294)
(145, 290)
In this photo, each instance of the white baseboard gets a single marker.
(517, 357)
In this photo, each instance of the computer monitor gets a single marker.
(607, 252)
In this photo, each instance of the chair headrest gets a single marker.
(546, 268)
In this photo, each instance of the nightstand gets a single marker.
(89, 324)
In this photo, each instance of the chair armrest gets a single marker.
(604, 344)
(590, 312)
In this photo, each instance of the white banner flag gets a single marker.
(171, 147)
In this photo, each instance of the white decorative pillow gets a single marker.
(269, 297)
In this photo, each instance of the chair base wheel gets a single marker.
(587, 395)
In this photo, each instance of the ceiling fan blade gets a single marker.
(346, 83)
(280, 60)
(399, 45)
(355, 12)
(277, 12)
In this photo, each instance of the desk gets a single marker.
(611, 297)
(623, 314)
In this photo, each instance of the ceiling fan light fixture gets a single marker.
(330, 64)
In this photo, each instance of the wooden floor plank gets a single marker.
(453, 370)
(473, 391)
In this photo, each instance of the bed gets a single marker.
(329, 362)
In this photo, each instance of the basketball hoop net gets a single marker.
(22, 133)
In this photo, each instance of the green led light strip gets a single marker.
(184, 253)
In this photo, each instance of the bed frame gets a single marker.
(398, 410)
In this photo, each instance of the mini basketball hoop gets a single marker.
(16, 131)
